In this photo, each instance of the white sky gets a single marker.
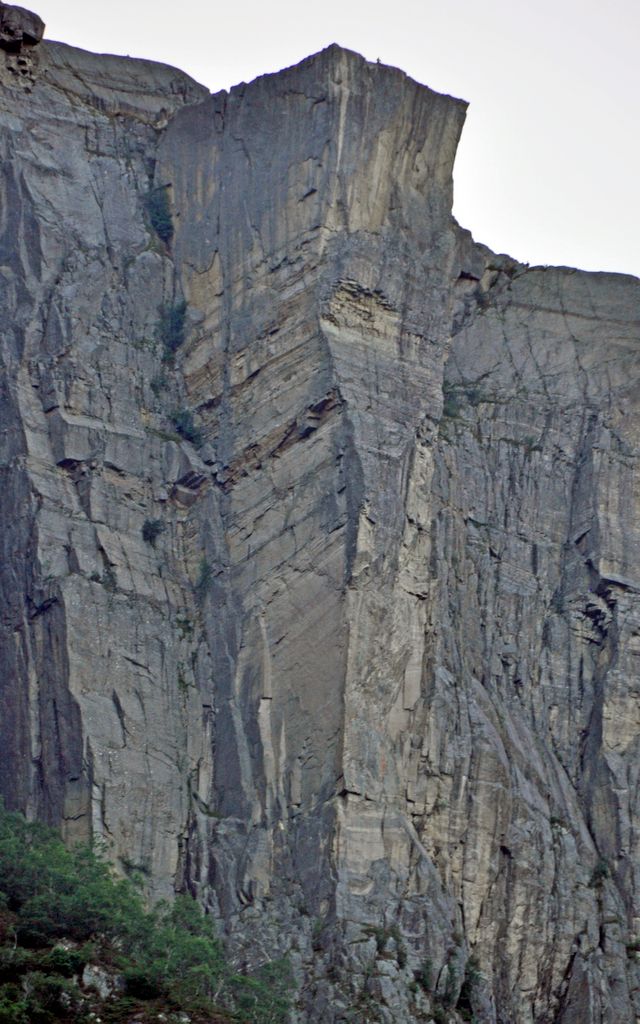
(549, 165)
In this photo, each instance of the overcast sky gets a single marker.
(549, 165)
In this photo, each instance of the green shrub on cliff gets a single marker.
(61, 909)
(172, 328)
(185, 425)
(159, 212)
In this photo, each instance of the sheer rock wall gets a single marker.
(370, 690)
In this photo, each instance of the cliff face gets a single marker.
(329, 612)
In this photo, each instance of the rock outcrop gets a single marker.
(320, 563)
(19, 28)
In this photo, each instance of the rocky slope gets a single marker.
(320, 566)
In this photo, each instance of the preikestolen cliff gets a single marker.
(320, 573)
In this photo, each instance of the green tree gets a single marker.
(169, 954)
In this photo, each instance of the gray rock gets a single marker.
(18, 28)
(372, 694)
(102, 981)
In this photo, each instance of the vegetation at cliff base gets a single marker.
(78, 944)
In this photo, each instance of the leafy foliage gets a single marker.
(151, 530)
(264, 998)
(184, 423)
(471, 985)
(172, 327)
(159, 211)
(424, 975)
(205, 578)
(600, 873)
(451, 405)
(61, 909)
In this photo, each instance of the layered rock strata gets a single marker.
(320, 569)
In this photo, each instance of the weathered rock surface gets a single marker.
(355, 657)
(19, 28)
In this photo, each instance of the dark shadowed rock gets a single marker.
(19, 27)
